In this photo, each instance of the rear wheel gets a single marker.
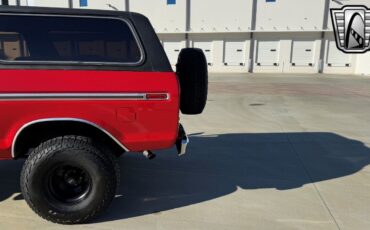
(68, 180)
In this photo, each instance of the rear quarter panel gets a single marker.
(137, 124)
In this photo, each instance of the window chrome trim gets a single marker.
(86, 63)
(59, 120)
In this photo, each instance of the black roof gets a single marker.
(155, 56)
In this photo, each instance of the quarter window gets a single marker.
(67, 39)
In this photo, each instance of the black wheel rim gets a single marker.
(68, 184)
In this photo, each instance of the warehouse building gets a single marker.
(261, 36)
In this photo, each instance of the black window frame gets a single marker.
(82, 63)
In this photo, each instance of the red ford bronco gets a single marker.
(78, 88)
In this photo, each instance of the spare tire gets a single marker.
(192, 70)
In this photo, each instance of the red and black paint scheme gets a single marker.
(77, 89)
(138, 105)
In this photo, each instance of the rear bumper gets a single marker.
(182, 141)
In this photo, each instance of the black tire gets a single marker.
(68, 180)
(192, 70)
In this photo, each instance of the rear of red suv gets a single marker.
(78, 89)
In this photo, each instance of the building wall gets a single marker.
(46, 3)
(165, 18)
(225, 52)
(285, 36)
(100, 4)
(288, 52)
(335, 61)
(220, 16)
(363, 64)
(290, 15)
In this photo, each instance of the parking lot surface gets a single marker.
(270, 152)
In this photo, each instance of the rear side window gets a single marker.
(67, 39)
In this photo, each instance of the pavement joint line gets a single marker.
(308, 174)
(312, 182)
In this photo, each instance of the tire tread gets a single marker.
(42, 152)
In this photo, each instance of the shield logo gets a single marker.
(352, 28)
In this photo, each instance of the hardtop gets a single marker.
(155, 59)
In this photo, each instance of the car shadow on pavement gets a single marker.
(9, 179)
(218, 165)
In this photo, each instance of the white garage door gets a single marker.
(234, 53)
(337, 57)
(173, 49)
(303, 53)
(268, 53)
(207, 47)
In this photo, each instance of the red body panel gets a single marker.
(137, 124)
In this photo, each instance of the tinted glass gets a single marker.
(77, 39)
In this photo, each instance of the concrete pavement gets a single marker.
(269, 152)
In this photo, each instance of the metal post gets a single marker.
(188, 22)
(5, 2)
(252, 39)
(70, 4)
(323, 42)
(127, 3)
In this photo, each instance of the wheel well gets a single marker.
(32, 135)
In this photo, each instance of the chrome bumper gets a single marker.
(182, 141)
